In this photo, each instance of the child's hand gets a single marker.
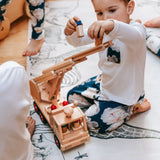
(98, 28)
(71, 26)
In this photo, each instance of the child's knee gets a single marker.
(113, 115)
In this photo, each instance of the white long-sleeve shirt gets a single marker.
(15, 143)
(123, 64)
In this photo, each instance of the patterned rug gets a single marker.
(140, 135)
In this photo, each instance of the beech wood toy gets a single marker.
(15, 10)
(79, 29)
(67, 120)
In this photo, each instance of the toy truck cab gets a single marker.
(69, 125)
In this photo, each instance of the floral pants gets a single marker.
(37, 9)
(102, 115)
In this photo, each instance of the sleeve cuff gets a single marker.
(112, 34)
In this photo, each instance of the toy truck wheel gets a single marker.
(39, 112)
(57, 142)
(42, 118)
(36, 107)
(5, 28)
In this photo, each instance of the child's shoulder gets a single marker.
(135, 23)
(10, 65)
(138, 25)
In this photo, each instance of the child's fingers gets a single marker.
(76, 18)
(96, 31)
(73, 21)
(101, 32)
(70, 25)
(69, 31)
(91, 31)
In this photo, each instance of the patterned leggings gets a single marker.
(102, 115)
(37, 9)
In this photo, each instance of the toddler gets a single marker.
(114, 95)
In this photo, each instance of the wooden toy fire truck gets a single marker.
(67, 120)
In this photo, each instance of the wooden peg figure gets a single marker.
(79, 29)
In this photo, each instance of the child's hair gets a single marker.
(126, 1)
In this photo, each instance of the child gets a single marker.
(113, 96)
(15, 143)
(37, 11)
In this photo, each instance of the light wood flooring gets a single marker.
(12, 47)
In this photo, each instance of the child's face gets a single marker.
(113, 9)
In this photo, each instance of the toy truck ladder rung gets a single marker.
(58, 66)
(89, 51)
(45, 77)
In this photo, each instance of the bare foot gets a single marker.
(31, 125)
(142, 107)
(33, 47)
(153, 23)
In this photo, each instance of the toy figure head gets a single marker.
(114, 9)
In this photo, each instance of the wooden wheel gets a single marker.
(39, 112)
(42, 118)
(36, 107)
(4, 30)
(57, 142)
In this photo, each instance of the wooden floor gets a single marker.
(13, 45)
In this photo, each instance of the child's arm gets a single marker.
(128, 34)
(98, 28)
